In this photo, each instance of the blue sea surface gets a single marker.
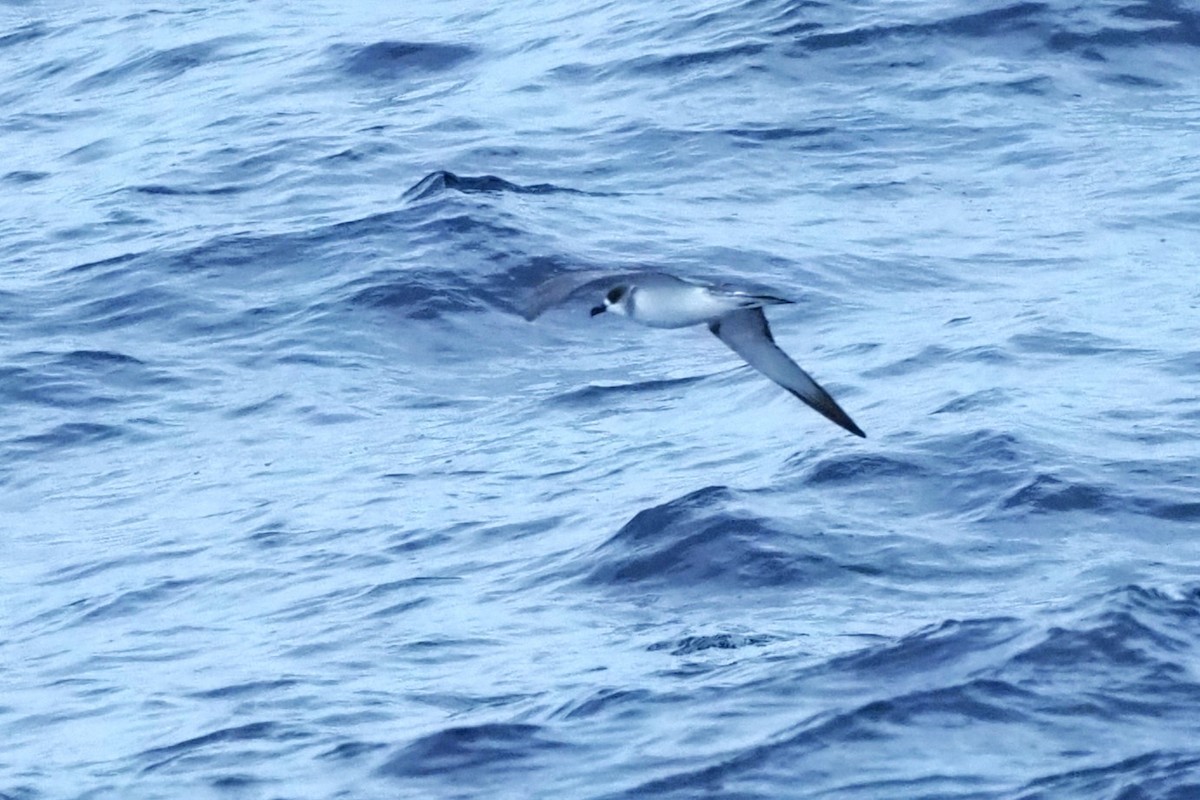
(294, 503)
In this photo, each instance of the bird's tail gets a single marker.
(757, 300)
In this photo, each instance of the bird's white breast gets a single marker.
(677, 307)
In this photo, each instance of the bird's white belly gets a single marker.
(677, 308)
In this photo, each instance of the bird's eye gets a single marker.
(615, 294)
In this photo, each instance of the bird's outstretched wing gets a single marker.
(559, 288)
(562, 287)
(745, 332)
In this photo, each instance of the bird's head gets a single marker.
(616, 300)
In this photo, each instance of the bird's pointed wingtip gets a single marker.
(844, 420)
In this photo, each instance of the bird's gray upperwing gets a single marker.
(746, 333)
(562, 287)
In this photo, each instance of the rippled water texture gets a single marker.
(295, 504)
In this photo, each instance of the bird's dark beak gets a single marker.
(598, 310)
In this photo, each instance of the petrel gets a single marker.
(735, 316)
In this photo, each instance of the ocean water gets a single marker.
(295, 504)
